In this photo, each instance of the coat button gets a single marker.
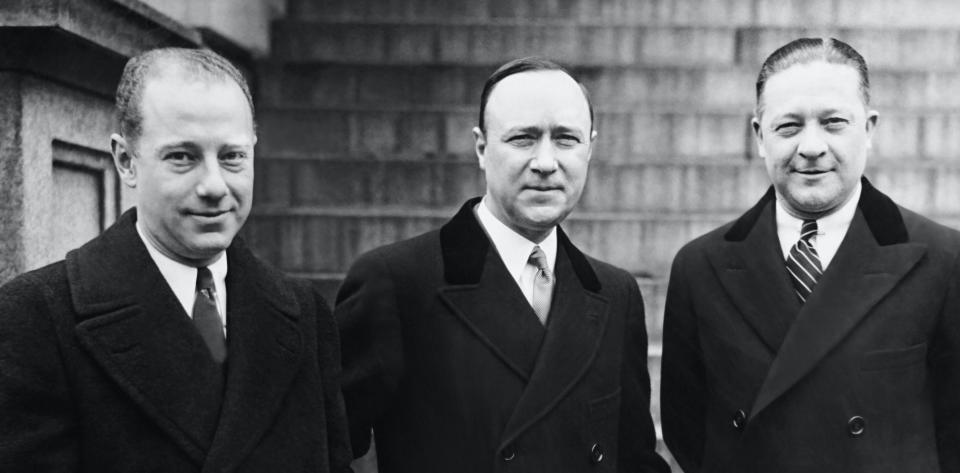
(596, 453)
(856, 426)
(508, 454)
(739, 419)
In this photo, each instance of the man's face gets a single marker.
(535, 151)
(814, 134)
(192, 165)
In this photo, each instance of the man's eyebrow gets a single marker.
(566, 129)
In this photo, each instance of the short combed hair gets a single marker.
(807, 50)
(525, 64)
(201, 64)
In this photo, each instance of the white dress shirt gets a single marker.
(182, 279)
(514, 249)
(830, 228)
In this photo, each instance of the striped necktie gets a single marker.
(803, 262)
(542, 284)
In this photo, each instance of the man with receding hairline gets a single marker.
(163, 344)
(818, 332)
(494, 344)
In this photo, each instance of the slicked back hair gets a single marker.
(807, 50)
(192, 63)
(516, 66)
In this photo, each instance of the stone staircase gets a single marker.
(365, 109)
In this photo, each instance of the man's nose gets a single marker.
(812, 144)
(544, 159)
(212, 184)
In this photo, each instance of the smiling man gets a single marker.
(493, 343)
(820, 330)
(164, 345)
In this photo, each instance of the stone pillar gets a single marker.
(60, 61)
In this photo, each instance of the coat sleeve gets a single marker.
(328, 339)
(637, 437)
(38, 426)
(683, 384)
(367, 313)
(945, 367)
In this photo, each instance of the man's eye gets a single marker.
(567, 140)
(522, 140)
(787, 129)
(835, 123)
(179, 157)
(233, 156)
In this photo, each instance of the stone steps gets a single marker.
(491, 42)
(434, 130)
(688, 87)
(888, 13)
(328, 239)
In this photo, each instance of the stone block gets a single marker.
(458, 137)
(898, 135)
(945, 183)
(287, 131)
(272, 181)
(940, 139)
(687, 45)
(894, 13)
(374, 132)
(711, 135)
(420, 134)
(411, 44)
(795, 12)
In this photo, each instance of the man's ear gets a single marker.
(758, 136)
(872, 117)
(480, 145)
(593, 140)
(123, 160)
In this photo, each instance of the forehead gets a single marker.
(538, 98)
(177, 101)
(813, 86)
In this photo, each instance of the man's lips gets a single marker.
(544, 188)
(206, 213)
(812, 172)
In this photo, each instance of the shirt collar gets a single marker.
(181, 278)
(514, 248)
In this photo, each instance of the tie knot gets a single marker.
(205, 280)
(539, 259)
(808, 230)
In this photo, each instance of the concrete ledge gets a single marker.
(83, 43)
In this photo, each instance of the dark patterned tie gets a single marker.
(542, 284)
(206, 317)
(803, 262)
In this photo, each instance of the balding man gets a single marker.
(494, 344)
(163, 344)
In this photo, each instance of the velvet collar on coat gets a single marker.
(465, 245)
(881, 213)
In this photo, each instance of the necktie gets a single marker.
(542, 284)
(803, 262)
(206, 317)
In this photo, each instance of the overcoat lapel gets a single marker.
(577, 321)
(130, 322)
(861, 273)
(483, 294)
(749, 265)
(264, 346)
